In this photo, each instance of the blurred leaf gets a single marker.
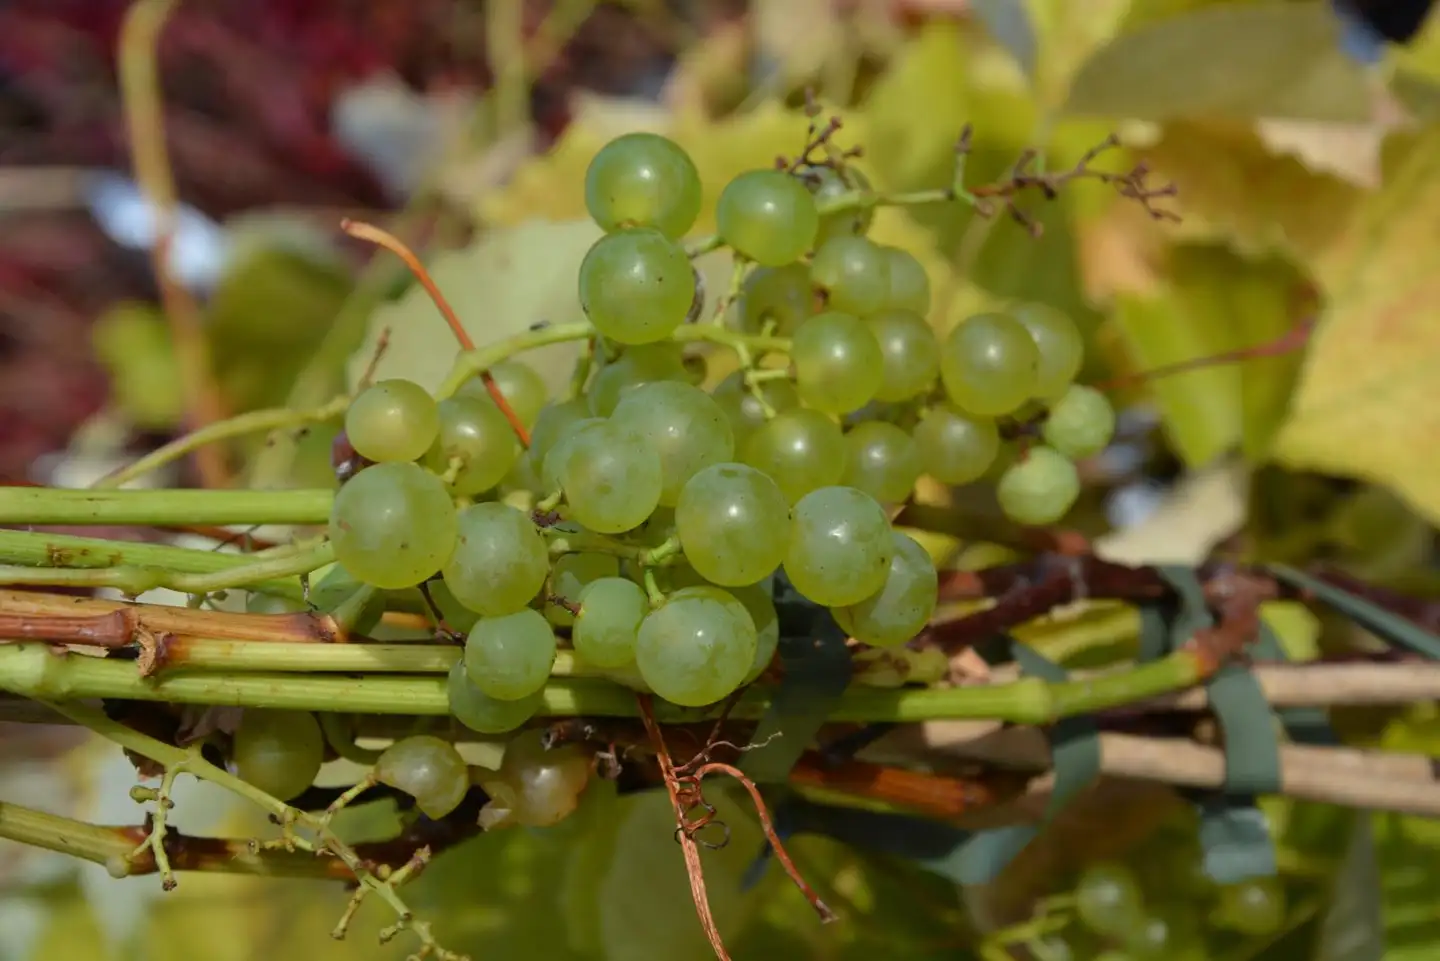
(132, 342)
(1353, 926)
(1009, 23)
(70, 929)
(1239, 61)
(1365, 406)
(1069, 33)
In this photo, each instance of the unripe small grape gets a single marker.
(429, 770)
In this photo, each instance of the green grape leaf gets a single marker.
(1353, 927)
(1365, 406)
(132, 342)
(1236, 60)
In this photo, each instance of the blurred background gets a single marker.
(1307, 164)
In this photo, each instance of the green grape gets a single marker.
(555, 459)
(781, 295)
(744, 410)
(883, 461)
(520, 384)
(1040, 488)
(1081, 423)
(838, 363)
(761, 607)
(682, 424)
(458, 617)
(989, 364)
(1254, 908)
(569, 576)
(500, 561)
(643, 180)
(429, 770)
(1107, 900)
(606, 629)
(697, 647)
(956, 448)
(612, 480)
(767, 216)
(1156, 937)
(482, 713)
(393, 525)
(909, 284)
(475, 432)
(552, 423)
(280, 752)
(909, 354)
(1059, 343)
(801, 450)
(394, 420)
(522, 477)
(636, 285)
(828, 184)
(840, 547)
(902, 607)
(510, 657)
(734, 524)
(535, 787)
(641, 364)
(853, 273)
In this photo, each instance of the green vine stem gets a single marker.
(35, 671)
(95, 555)
(134, 580)
(162, 508)
(248, 423)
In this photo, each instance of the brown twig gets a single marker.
(1292, 340)
(43, 609)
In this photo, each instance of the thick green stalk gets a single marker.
(42, 550)
(32, 670)
(133, 580)
(51, 505)
(65, 835)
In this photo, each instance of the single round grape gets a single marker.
(535, 786)
(611, 478)
(458, 617)
(475, 432)
(989, 364)
(636, 285)
(429, 770)
(902, 607)
(909, 354)
(394, 420)
(569, 577)
(643, 180)
(280, 752)
(500, 560)
(956, 448)
(801, 450)
(767, 216)
(520, 384)
(744, 411)
(682, 424)
(510, 657)
(882, 460)
(696, 649)
(1254, 908)
(838, 363)
(1081, 423)
(393, 525)
(482, 713)
(1040, 488)
(734, 524)
(611, 609)
(852, 273)
(641, 364)
(761, 607)
(552, 423)
(827, 184)
(840, 546)
(909, 284)
(779, 295)
(1107, 900)
(1060, 346)
(560, 450)
(1155, 937)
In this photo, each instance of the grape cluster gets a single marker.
(644, 520)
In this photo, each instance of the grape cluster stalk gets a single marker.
(633, 528)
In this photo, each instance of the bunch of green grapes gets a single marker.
(677, 505)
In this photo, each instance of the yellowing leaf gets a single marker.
(1367, 404)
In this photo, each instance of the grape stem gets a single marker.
(588, 542)
(162, 508)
